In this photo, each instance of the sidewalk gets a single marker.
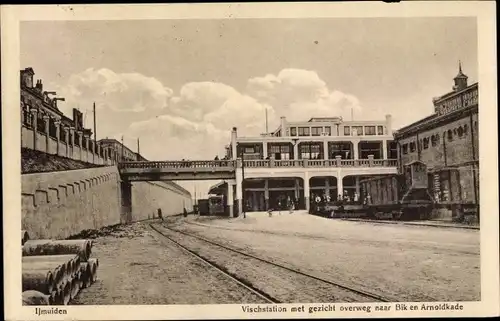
(420, 223)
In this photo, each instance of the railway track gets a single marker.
(272, 281)
(242, 283)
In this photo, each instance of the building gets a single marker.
(447, 141)
(299, 160)
(121, 152)
(45, 128)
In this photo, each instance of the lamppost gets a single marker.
(242, 154)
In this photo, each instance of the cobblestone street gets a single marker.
(402, 263)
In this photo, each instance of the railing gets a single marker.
(179, 164)
(259, 163)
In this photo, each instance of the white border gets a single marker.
(12, 15)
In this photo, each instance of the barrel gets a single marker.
(66, 292)
(94, 264)
(64, 262)
(32, 297)
(40, 280)
(86, 270)
(83, 248)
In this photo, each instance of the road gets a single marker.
(403, 263)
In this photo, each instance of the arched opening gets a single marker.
(322, 189)
(261, 194)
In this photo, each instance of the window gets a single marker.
(380, 130)
(316, 131)
(357, 130)
(450, 135)
(405, 148)
(460, 131)
(370, 130)
(303, 131)
(466, 129)
(274, 149)
(310, 151)
(426, 142)
(412, 147)
(249, 150)
(347, 131)
(293, 131)
(328, 131)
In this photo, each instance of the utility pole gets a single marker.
(95, 126)
(138, 149)
(267, 128)
(122, 151)
(352, 114)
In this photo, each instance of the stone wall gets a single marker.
(60, 204)
(148, 197)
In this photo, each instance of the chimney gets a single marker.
(388, 124)
(234, 137)
(283, 126)
(39, 85)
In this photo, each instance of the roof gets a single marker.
(324, 119)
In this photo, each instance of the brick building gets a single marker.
(120, 151)
(447, 141)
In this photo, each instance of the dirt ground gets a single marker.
(138, 267)
(407, 263)
(403, 263)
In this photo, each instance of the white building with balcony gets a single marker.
(299, 160)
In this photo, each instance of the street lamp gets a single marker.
(242, 154)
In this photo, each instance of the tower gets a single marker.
(460, 79)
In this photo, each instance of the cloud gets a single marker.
(196, 122)
(300, 94)
(221, 106)
(124, 92)
(173, 138)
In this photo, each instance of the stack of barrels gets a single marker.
(54, 271)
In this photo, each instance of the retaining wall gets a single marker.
(60, 204)
(148, 197)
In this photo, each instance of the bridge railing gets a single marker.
(259, 163)
(179, 164)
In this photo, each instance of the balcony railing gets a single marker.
(260, 163)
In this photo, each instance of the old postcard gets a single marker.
(247, 161)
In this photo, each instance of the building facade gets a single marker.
(45, 128)
(324, 157)
(121, 153)
(448, 143)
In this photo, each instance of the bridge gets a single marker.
(227, 169)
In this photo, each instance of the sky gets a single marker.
(179, 86)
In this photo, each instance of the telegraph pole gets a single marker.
(267, 128)
(95, 126)
(138, 149)
(122, 151)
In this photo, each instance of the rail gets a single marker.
(259, 163)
